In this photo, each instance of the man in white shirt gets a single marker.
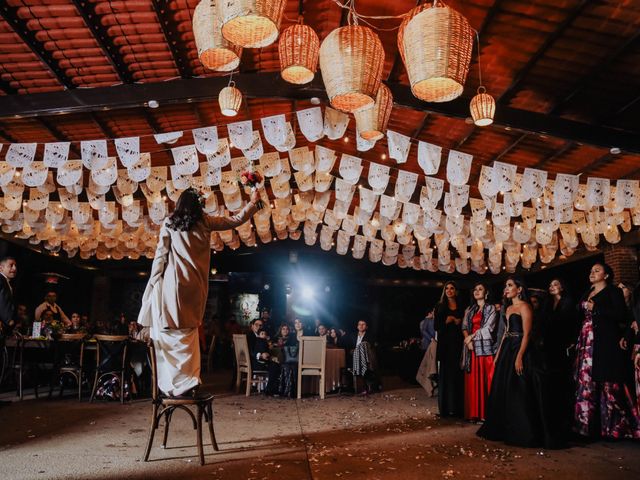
(50, 304)
(8, 270)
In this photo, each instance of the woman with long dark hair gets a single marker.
(511, 414)
(603, 407)
(448, 318)
(478, 329)
(173, 303)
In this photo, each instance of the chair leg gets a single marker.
(199, 434)
(167, 421)
(122, 379)
(95, 386)
(214, 444)
(238, 380)
(248, 390)
(152, 431)
(80, 385)
(322, 386)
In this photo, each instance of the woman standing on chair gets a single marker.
(478, 329)
(173, 303)
(448, 318)
(604, 407)
(511, 414)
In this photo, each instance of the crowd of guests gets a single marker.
(276, 351)
(538, 366)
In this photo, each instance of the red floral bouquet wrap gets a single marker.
(252, 180)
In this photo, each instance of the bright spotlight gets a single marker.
(307, 292)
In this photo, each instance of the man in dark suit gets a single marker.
(260, 356)
(8, 270)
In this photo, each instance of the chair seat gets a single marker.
(200, 397)
(311, 371)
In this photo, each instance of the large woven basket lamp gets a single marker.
(214, 51)
(230, 99)
(372, 122)
(250, 23)
(351, 61)
(298, 50)
(435, 43)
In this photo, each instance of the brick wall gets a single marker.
(624, 261)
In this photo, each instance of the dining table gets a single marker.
(335, 362)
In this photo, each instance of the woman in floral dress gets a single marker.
(603, 404)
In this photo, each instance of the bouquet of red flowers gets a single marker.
(252, 180)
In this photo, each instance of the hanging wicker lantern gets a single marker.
(483, 108)
(351, 61)
(372, 122)
(250, 23)
(214, 51)
(435, 43)
(298, 49)
(230, 99)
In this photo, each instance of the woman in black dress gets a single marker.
(511, 414)
(448, 319)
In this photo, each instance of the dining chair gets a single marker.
(311, 361)
(243, 366)
(111, 361)
(68, 360)
(165, 406)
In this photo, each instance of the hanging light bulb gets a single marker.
(230, 99)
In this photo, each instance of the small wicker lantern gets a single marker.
(483, 108)
(298, 48)
(435, 43)
(214, 51)
(351, 61)
(372, 122)
(250, 23)
(230, 99)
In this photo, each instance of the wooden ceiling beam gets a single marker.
(270, 85)
(7, 88)
(551, 39)
(598, 162)
(172, 37)
(555, 155)
(93, 21)
(19, 26)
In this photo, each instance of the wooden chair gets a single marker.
(208, 357)
(69, 344)
(164, 405)
(116, 347)
(243, 365)
(311, 361)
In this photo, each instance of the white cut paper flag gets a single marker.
(206, 139)
(487, 184)
(180, 181)
(241, 134)
(125, 184)
(432, 192)
(256, 150)
(344, 190)
(55, 154)
(270, 164)
(106, 175)
(212, 174)
(157, 179)
(222, 156)
(378, 177)
(450, 207)
(627, 193)
(20, 154)
(302, 160)
(290, 139)
(128, 150)
(311, 124)
(239, 165)
(410, 213)
(49, 185)
(185, 159)
(362, 144)
(459, 195)
(388, 207)
(69, 173)
(274, 128)
(335, 123)
(534, 182)
(82, 215)
(6, 173)
(94, 154)
(350, 168)
(429, 156)
(304, 181)
(504, 174)
(325, 159)
(564, 189)
(168, 138)
(399, 146)
(368, 199)
(140, 171)
(37, 199)
(598, 191)
(458, 167)
(405, 185)
(323, 182)
(34, 174)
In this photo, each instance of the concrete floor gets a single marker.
(392, 435)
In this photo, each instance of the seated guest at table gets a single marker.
(322, 330)
(298, 327)
(284, 337)
(50, 304)
(76, 324)
(261, 357)
(364, 361)
(24, 323)
(333, 338)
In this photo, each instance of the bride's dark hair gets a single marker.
(188, 211)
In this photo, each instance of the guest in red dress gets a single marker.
(478, 328)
